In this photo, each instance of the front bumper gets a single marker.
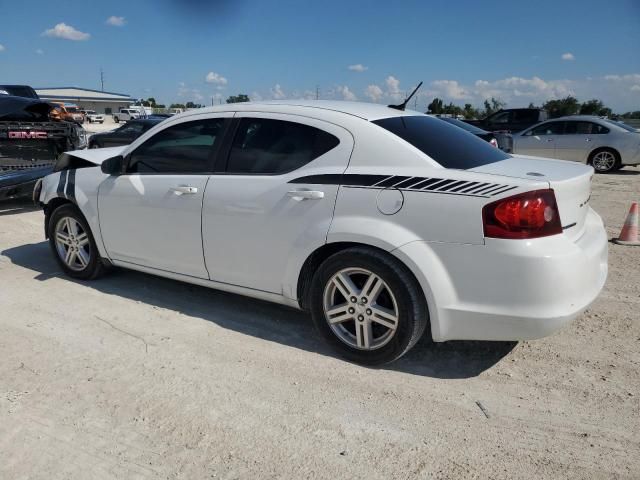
(509, 289)
(20, 183)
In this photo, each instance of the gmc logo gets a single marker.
(34, 134)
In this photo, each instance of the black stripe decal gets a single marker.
(71, 185)
(61, 180)
(421, 184)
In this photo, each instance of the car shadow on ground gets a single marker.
(16, 206)
(624, 172)
(260, 319)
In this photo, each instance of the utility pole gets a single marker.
(317, 92)
(101, 79)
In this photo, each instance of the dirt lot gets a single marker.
(135, 377)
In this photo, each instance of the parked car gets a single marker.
(502, 140)
(126, 114)
(92, 117)
(384, 223)
(604, 144)
(123, 135)
(511, 119)
(67, 112)
(24, 91)
(30, 143)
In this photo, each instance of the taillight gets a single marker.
(494, 142)
(527, 215)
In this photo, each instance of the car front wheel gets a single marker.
(604, 161)
(368, 306)
(73, 244)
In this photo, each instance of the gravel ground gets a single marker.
(133, 376)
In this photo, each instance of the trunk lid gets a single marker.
(571, 183)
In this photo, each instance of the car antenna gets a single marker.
(403, 105)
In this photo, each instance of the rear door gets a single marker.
(269, 208)
(578, 140)
(152, 214)
(540, 140)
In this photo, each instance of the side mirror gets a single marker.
(113, 165)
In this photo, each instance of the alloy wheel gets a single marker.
(604, 161)
(72, 244)
(360, 308)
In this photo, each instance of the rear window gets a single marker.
(450, 146)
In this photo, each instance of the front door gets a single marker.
(539, 141)
(152, 214)
(269, 210)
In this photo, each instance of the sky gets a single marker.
(203, 51)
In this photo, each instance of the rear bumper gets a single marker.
(509, 289)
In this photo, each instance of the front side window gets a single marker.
(271, 147)
(131, 128)
(184, 148)
(501, 117)
(450, 146)
(550, 128)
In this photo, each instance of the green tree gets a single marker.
(564, 106)
(594, 107)
(452, 109)
(193, 105)
(469, 112)
(435, 107)
(238, 98)
(177, 105)
(492, 106)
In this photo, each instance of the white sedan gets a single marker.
(384, 224)
(604, 144)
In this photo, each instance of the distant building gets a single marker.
(86, 99)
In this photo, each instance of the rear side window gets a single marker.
(184, 148)
(525, 116)
(450, 146)
(267, 146)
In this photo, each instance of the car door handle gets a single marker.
(184, 190)
(549, 139)
(587, 139)
(305, 194)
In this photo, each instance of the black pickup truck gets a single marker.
(30, 143)
(511, 119)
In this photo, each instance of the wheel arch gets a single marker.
(50, 207)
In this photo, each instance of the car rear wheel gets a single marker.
(604, 161)
(116, 119)
(368, 306)
(73, 244)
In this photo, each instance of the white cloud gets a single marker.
(632, 77)
(277, 93)
(255, 96)
(62, 30)
(635, 88)
(358, 67)
(213, 77)
(451, 88)
(374, 93)
(2, 49)
(568, 57)
(115, 21)
(393, 87)
(39, 51)
(346, 93)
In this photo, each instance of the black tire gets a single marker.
(95, 266)
(94, 145)
(413, 314)
(611, 167)
(116, 119)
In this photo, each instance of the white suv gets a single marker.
(126, 114)
(382, 223)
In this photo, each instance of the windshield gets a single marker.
(463, 125)
(72, 109)
(623, 125)
(450, 146)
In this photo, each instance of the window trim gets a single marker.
(211, 159)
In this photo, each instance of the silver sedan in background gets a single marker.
(604, 144)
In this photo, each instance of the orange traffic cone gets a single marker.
(629, 233)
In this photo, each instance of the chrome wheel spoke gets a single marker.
(372, 288)
(82, 239)
(384, 316)
(339, 314)
(69, 257)
(346, 286)
(62, 238)
(364, 335)
(83, 257)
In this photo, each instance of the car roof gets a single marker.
(590, 118)
(366, 111)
